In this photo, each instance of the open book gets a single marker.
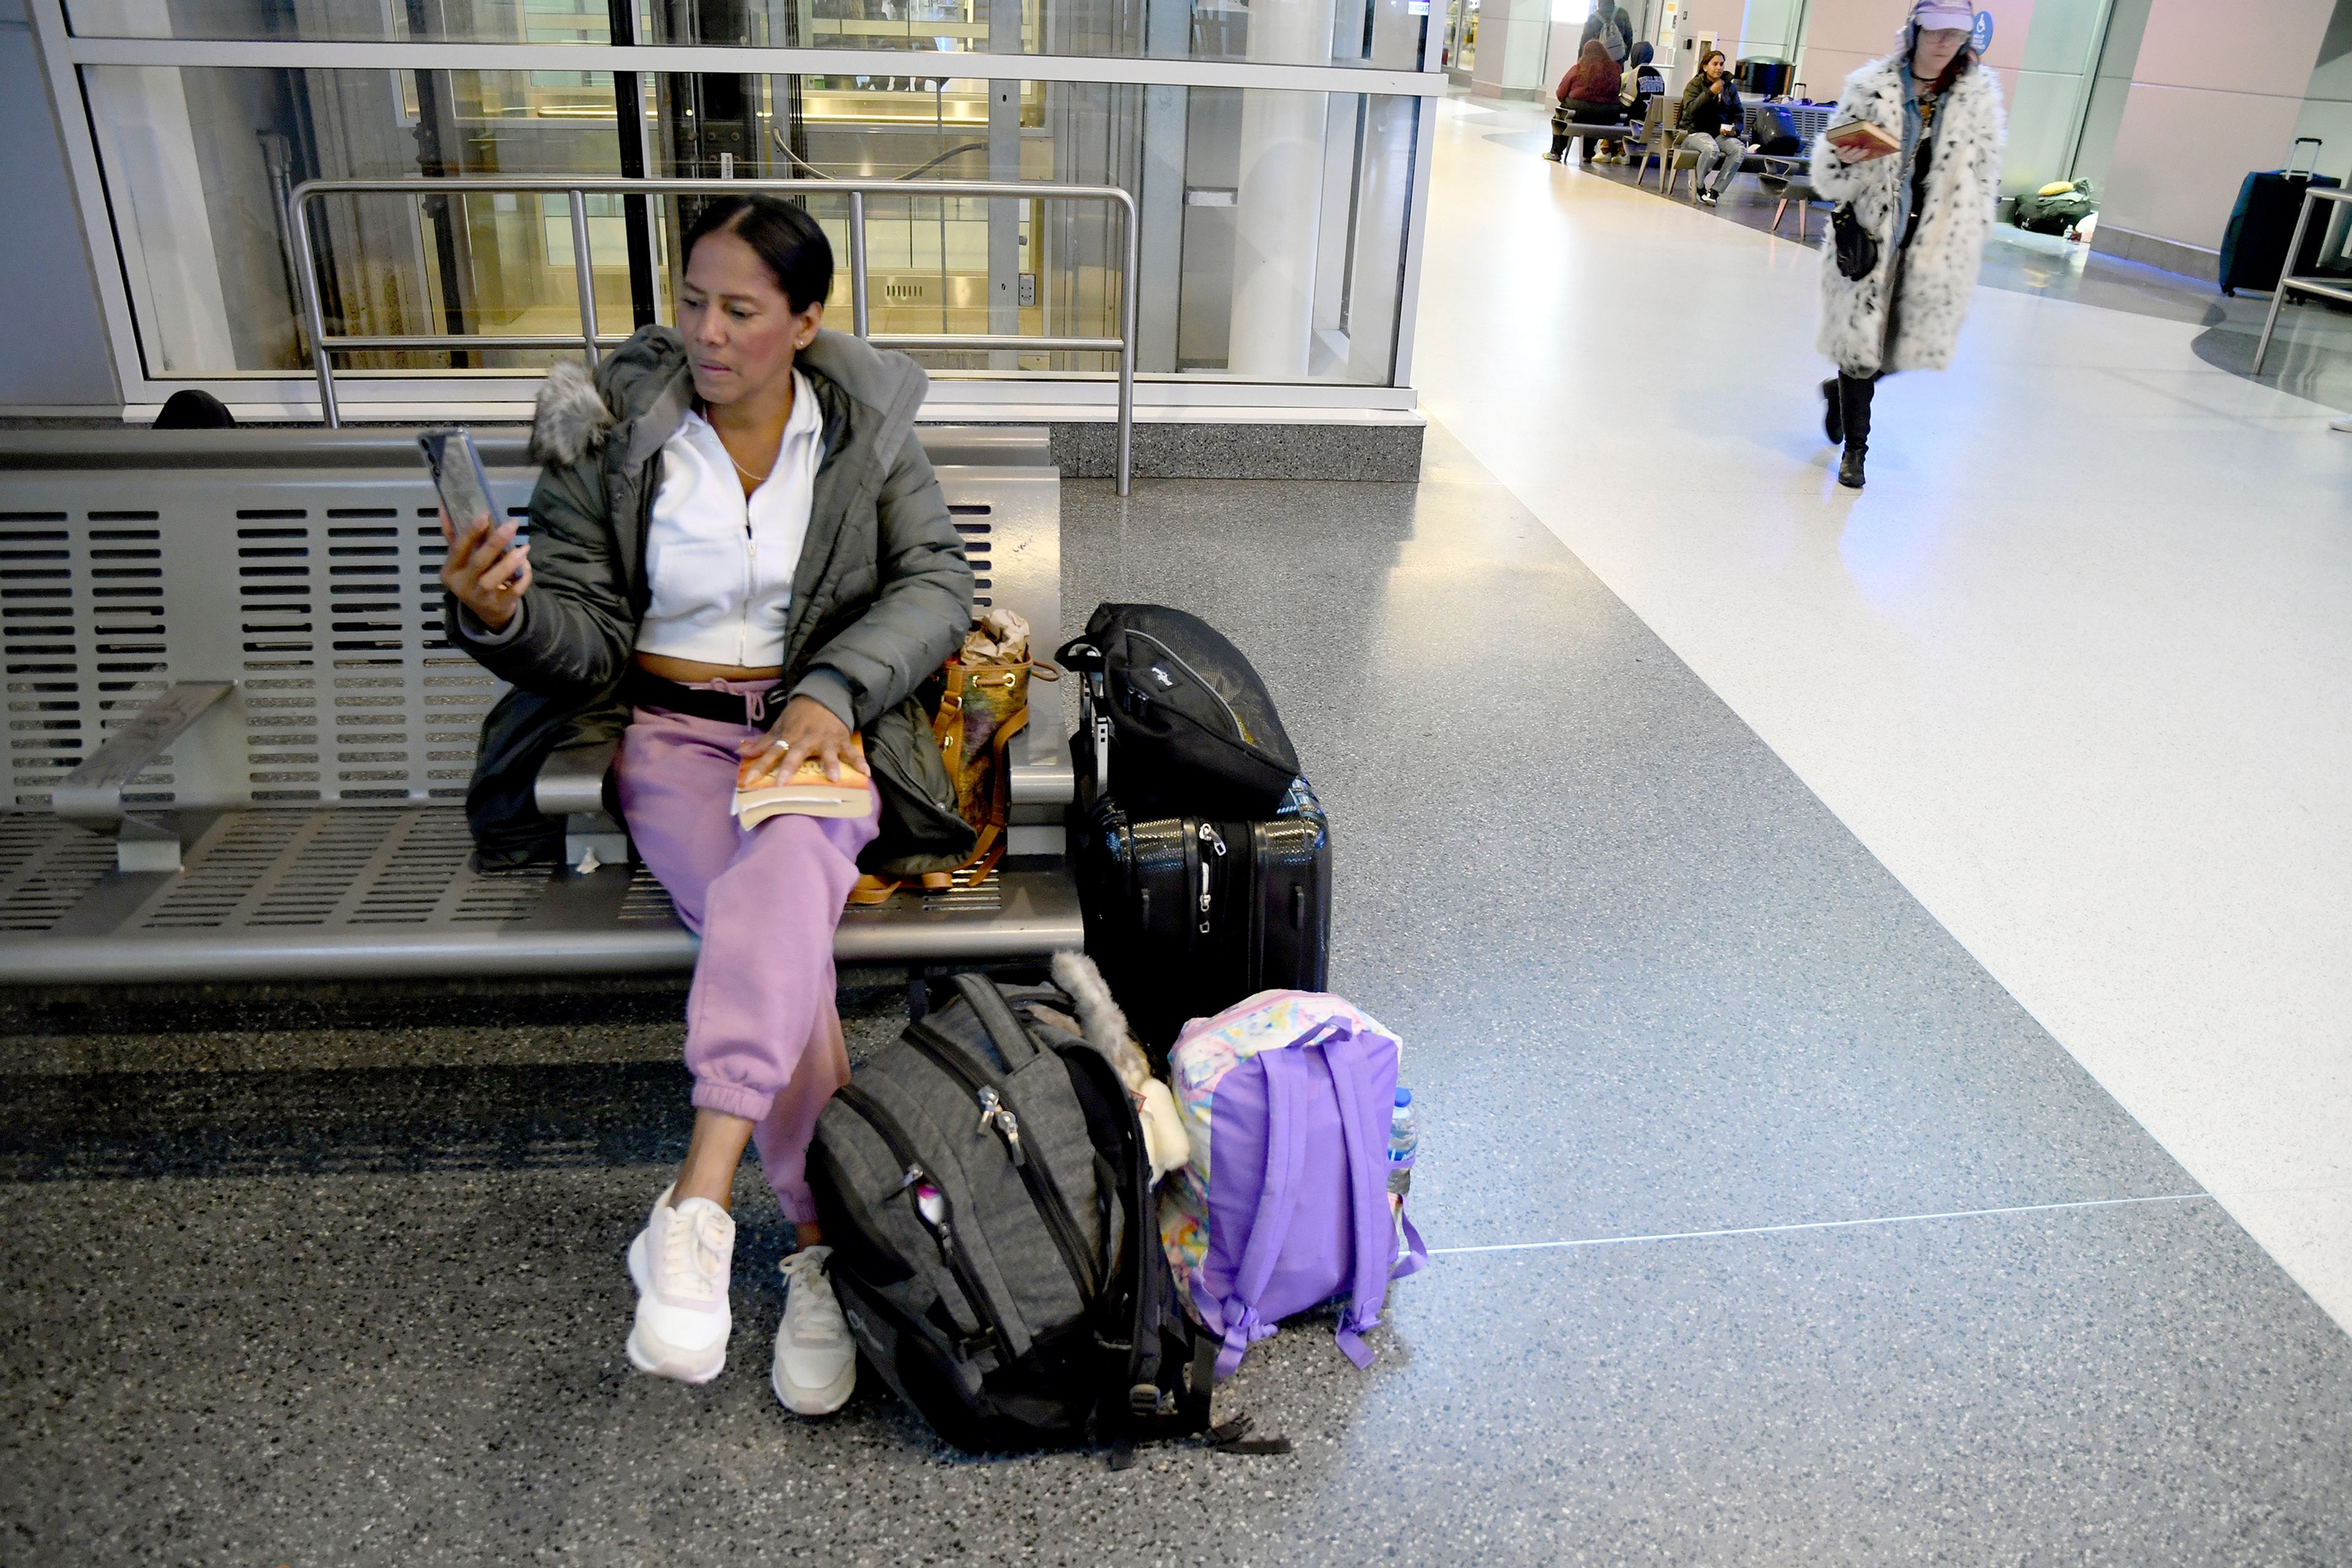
(808, 792)
(1862, 138)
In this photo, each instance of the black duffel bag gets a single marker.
(1184, 723)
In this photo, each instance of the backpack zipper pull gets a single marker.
(1010, 1126)
(997, 1117)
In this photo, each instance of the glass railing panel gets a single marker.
(1390, 33)
(348, 21)
(1272, 242)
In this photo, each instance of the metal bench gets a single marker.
(239, 744)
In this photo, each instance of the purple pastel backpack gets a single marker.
(1285, 1205)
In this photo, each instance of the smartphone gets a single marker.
(458, 475)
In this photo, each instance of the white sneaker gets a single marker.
(816, 1361)
(680, 1263)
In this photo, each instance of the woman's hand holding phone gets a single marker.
(486, 570)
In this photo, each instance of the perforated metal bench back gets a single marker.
(317, 589)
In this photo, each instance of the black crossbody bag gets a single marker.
(1857, 250)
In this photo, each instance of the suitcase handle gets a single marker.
(2297, 151)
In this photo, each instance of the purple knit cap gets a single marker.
(1927, 16)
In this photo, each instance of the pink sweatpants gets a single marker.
(762, 1039)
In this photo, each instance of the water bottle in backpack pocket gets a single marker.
(1290, 1099)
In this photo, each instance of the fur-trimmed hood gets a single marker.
(1930, 283)
(569, 419)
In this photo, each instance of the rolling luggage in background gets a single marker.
(2262, 226)
(1199, 887)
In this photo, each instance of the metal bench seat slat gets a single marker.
(353, 893)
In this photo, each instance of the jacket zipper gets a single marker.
(903, 1151)
(1240, 734)
(751, 587)
(993, 1112)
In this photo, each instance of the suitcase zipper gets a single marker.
(903, 1150)
(995, 1113)
(1212, 839)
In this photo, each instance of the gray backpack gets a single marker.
(983, 1185)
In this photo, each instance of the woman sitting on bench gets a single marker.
(740, 552)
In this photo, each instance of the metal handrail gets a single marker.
(578, 189)
(776, 134)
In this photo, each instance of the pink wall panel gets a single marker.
(2233, 46)
(1860, 29)
(2181, 154)
(2012, 20)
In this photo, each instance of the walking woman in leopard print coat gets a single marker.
(1927, 206)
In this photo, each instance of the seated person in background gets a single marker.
(1639, 83)
(1588, 95)
(1711, 123)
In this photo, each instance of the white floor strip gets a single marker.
(2073, 666)
(1819, 1225)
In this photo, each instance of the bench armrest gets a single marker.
(571, 781)
(1043, 781)
(91, 795)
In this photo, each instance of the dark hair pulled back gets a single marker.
(785, 239)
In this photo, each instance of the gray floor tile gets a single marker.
(1646, 981)
(340, 1369)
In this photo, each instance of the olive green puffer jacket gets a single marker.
(882, 597)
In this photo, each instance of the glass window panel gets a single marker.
(1386, 33)
(1272, 243)
(348, 21)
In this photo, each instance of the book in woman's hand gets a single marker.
(808, 792)
(1861, 140)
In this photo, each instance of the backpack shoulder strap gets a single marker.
(1278, 1200)
(1343, 1059)
(1005, 1030)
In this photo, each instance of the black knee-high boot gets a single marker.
(1853, 406)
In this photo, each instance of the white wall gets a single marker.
(56, 355)
(1513, 38)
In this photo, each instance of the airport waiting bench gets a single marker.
(238, 741)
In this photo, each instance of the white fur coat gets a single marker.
(1940, 270)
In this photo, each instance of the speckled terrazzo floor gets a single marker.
(338, 1280)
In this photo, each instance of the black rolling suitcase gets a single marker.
(1209, 889)
(2262, 226)
(1187, 915)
